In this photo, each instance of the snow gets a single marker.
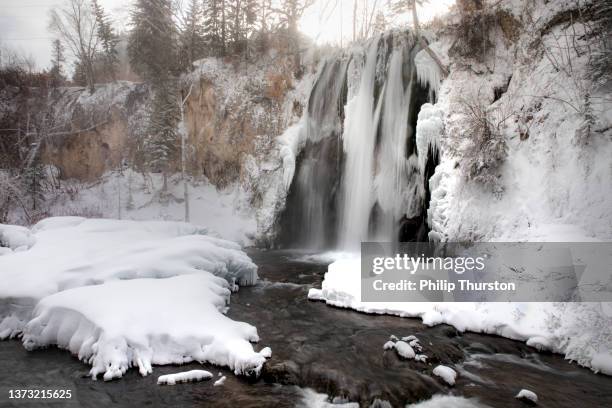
(420, 358)
(266, 352)
(312, 399)
(130, 195)
(121, 294)
(447, 401)
(15, 237)
(580, 331)
(602, 362)
(446, 373)
(527, 395)
(186, 376)
(404, 350)
(220, 381)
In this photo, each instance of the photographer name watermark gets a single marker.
(486, 272)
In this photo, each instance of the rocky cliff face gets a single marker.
(234, 115)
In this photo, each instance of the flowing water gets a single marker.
(357, 173)
(334, 351)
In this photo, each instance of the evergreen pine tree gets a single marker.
(152, 42)
(214, 26)
(108, 40)
(162, 142)
(79, 76)
(57, 59)
(192, 39)
(235, 12)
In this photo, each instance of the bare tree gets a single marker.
(76, 26)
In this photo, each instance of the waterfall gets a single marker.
(359, 136)
(358, 175)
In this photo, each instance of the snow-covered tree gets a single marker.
(77, 27)
(152, 42)
(192, 36)
(215, 28)
(108, 40)
(57, 59)
(162, 141)
(601, 61)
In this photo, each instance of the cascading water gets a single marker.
(312, 200)
(359, 141)
(358, 175)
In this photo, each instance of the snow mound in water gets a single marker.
(446, 373)
(527, 395)
(142, 322)
(186, 376)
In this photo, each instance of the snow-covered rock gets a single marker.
(420, 358)
(266, 352)
(186, 376)
(527, 395)
(446, 373)
(404, 350)
(220, 381)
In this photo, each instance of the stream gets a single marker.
(333, 351)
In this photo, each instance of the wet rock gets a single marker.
(284, 372)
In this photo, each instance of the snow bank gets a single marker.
(580, 331)
(121, 294)
(15, 237)
(130, 195)
(73, 251)
(186, 376)
(141, 322)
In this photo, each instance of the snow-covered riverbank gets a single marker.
(125, 293)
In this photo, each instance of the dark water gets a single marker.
(334, 351)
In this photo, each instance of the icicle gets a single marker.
(428, 73)
(429, 130)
